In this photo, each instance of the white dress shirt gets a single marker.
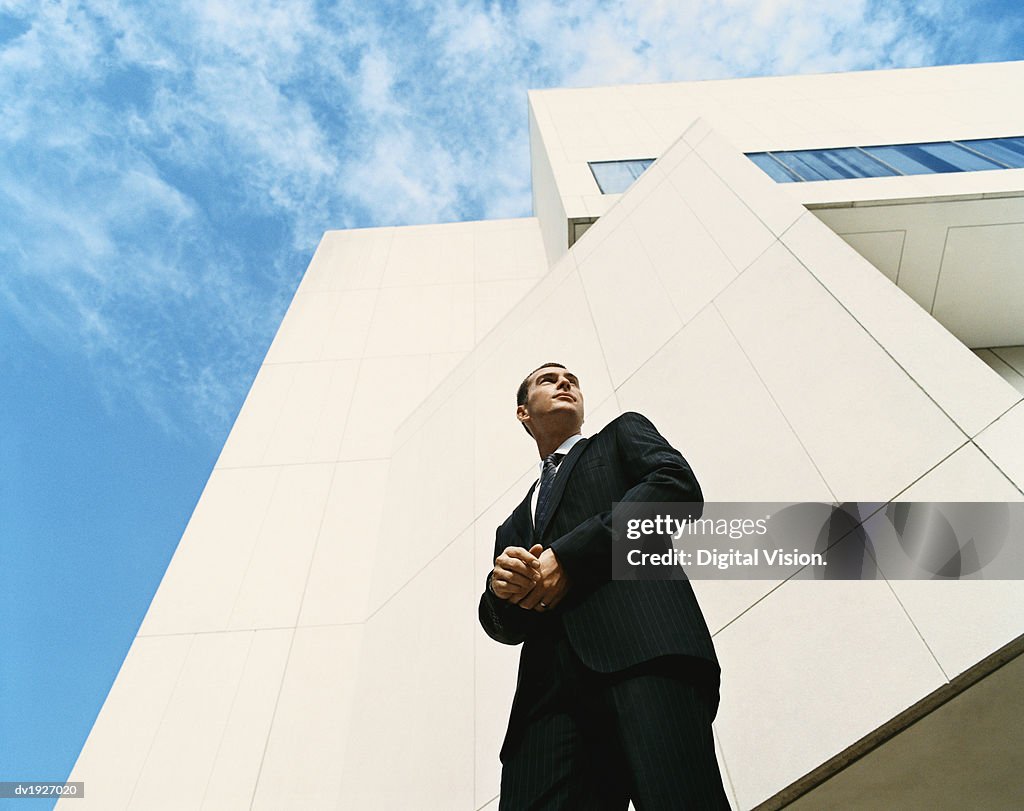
(564, 448)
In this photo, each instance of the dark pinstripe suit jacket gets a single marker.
(610, 625)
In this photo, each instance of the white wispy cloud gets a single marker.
(168, 170)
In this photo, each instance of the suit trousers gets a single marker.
(594, 741)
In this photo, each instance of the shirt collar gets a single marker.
(564, 448)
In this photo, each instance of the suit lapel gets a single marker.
(564, 469)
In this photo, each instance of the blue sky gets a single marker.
(166, 171)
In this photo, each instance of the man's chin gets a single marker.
(572, 419)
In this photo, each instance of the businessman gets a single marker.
(618, 681)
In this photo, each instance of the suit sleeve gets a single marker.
(502, 621)
(659, 474)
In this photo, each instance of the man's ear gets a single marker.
(522, 414)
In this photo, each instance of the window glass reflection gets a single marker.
(773, 168)
(888, 160)
(614, 177)
(835, 164)
(1008, 151)
(920, 159)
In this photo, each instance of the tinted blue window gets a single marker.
(614, 177)
(835, 164)
(1008, 151)
(796, 162)
(919, 159)
(897, 159)
(775, 170)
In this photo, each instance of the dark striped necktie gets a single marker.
(547, 479)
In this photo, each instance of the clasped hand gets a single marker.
(530, 578)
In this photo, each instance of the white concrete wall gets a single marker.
(959, 259)
(548, 207)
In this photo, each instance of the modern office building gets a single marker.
(814, 287)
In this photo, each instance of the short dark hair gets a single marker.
(524, 387)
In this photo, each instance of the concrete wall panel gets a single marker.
(119, 743)
(410, 741)
(809, 670)
(307, 741)
(198, 589)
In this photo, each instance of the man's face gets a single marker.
(553, 398)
